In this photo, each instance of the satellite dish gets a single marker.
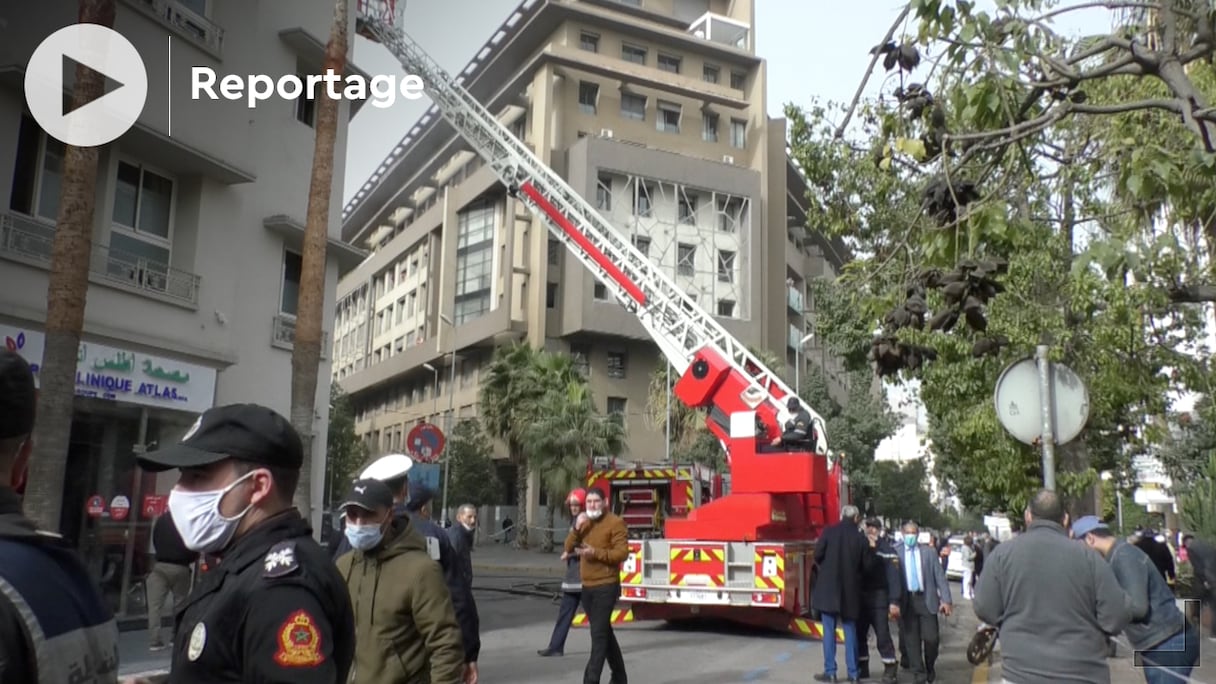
(1020, 408)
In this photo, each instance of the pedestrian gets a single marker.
(393, 470)
(880, 599)
(1054, 601)
(274, 608)
(54, 625)
(405, 627)
(1202, 557)
(170, 575)
(839, 555)
(601, 543)
(461, 535)
(925, 592)
(572, 586)
(1168, 644)
(966, 556)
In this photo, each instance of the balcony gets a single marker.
(793, 337)
(201, 30)
(716, 28)
(793, 299)
(27, 240)
(283, 335)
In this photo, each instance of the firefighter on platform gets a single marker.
(880, 593)
(799, 434)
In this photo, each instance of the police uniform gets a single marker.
(881, 586)
(274, 608)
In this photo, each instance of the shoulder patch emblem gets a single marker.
(198, 640)
(281, 560)
(299, 642)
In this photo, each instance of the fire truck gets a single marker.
(647, 495)
(745, 556)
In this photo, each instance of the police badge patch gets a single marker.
(281, 560)
(198, 640)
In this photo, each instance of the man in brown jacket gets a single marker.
(601, 542)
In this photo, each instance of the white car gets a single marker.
(954, 569)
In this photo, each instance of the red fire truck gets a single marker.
(647, 495)
(745, 555)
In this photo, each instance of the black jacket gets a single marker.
(882, 582)
(840, 557)
(462, 594)
(275, 609)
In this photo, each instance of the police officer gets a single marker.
(799, 432)
(274, 609)
(54, 627)
(880, 593)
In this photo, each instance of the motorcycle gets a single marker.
(980, 648)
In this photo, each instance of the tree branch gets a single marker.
(848, 114)
(1192, 294)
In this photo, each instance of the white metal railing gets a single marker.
(175, 15)
(794, 299)
(28, 239)
(283, 334)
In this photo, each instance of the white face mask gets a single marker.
(595, 514)
(196, 515)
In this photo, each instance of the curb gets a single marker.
(522, 571)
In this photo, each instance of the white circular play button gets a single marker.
(103, 119)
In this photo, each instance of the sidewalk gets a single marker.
(1121, 669)
(503, 559)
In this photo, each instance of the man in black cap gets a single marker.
(54, 626)
(799, 432)
(405, 627)
(275, 607)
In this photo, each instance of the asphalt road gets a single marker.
(517, 616)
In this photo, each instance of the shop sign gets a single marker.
(120, 375)
(120, 507)
(95, 506)
(155, 504)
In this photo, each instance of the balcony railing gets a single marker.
(794, 300)
(716, 28)
(25, 239)
(283, 335)
(172, 14)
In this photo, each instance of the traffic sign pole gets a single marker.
(1049, 432)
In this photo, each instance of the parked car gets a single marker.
(954, 569)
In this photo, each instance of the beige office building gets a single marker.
(655, 111)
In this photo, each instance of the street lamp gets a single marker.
(435, 408)
(798, 362)
(447, 419)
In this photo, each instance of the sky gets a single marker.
(814, 49)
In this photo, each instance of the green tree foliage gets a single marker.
(1014, 186)
(1134, 515)
(474, 476)
(1198, 503)
(901, 492)
(345, 453)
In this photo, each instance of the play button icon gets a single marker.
(99, 49)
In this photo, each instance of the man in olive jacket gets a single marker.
(601, 541)
(405, 626)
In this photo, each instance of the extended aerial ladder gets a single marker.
(775, 497)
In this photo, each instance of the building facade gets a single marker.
(654, 110)
(195, 270)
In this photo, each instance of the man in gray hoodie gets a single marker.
(1165, 641)
(1053, 600)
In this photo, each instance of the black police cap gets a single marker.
(18, 397)
(246, 432)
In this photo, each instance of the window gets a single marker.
(292, 265)
(668, 119)
(709, 127)
(142, 216)
(726, 308)
(600, 292)
(199, 7)
(474, 260)
(633, 106)
(306, 109)
(730, 213)
(581, 354)
(603, 193)
(738, 133)
(47, 153)
(400, 310)
(588, 95)
(737, 79)
(726, 266)
(631, 3)
(550, 295)
(710, 73)
(686, 259)
(555, 250)
(616, 407)
(616, 364)
(688, 209)
(399, 345)
(589, 42)
(669, 63)
(642, 205)
(643, 244)
(633, 53)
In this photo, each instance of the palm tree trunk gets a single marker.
(306, 351)
(550, 522)
(521, 492)
(67, 289)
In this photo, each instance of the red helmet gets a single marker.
(578, 496)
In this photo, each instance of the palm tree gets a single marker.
(306, 349)
(568, 434)
(67, 290)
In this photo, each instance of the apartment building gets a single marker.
(196, 252)
(654, 110)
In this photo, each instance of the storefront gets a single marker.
(127, 402)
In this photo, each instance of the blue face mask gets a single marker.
(364, 537)
(909, 540)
